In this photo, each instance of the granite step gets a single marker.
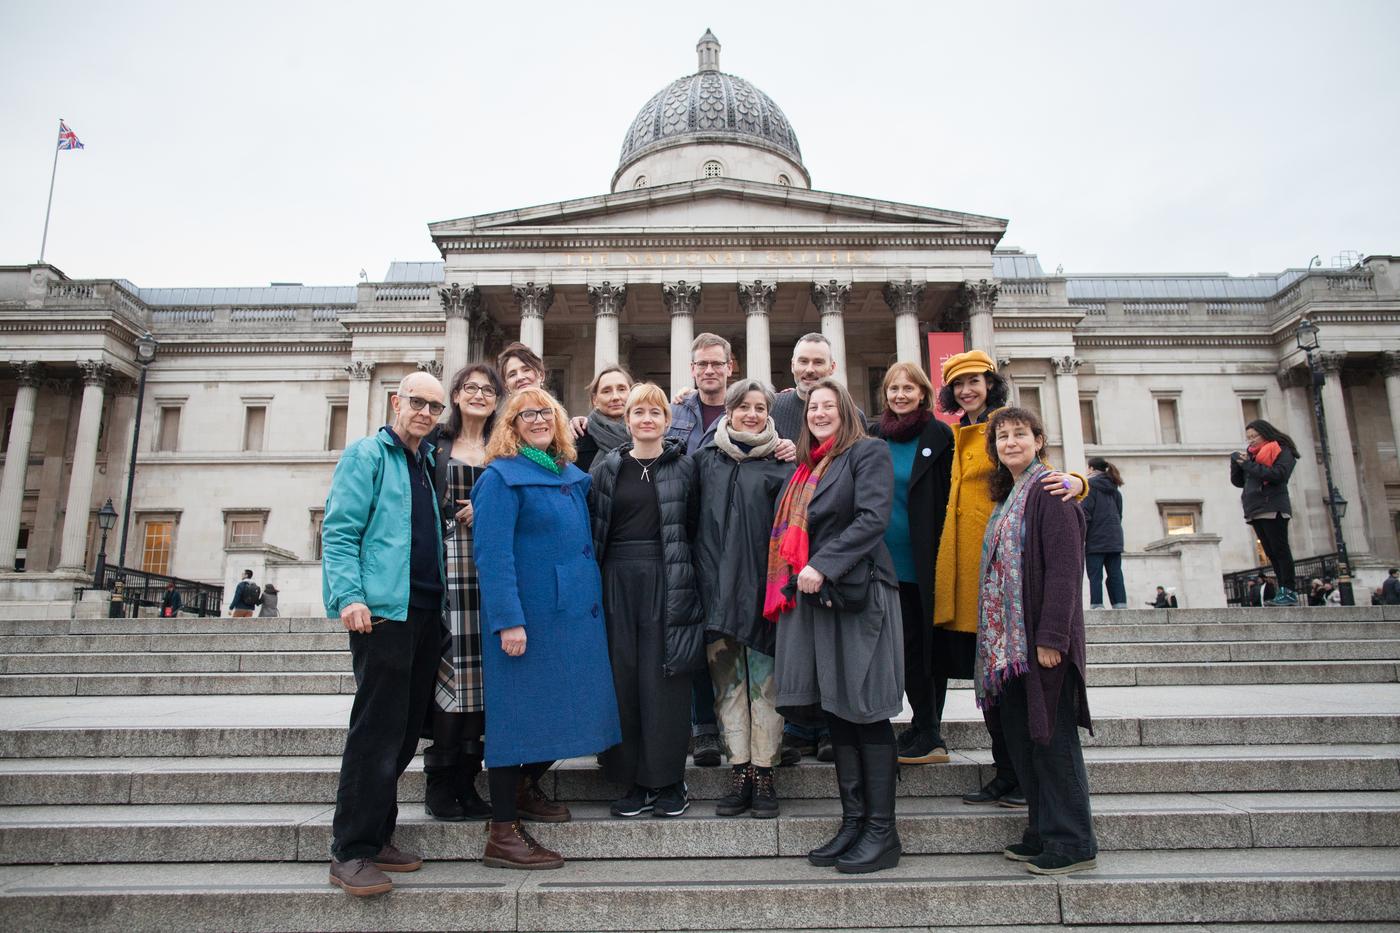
(928, 826)
(1182, 632)
(1340, 885)
(312, 779)
(1179, 652)
(176, 684)
(107, 643)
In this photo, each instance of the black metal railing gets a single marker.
(1304, 569)
(142, 589)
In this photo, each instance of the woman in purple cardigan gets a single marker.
(1030, 645)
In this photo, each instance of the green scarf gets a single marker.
(540, 457)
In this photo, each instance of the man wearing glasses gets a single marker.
(694, 417)
(382, 575)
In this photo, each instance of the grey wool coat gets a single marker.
(848, 664)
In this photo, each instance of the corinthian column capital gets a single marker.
(607, 299)
(433, 367)
(830, 297)
(95, 372)
(533, 300)
(1331, 361)
(903, 297)
(681, 297)
(1067, 365)
(1293, 377)
(1390, 363)
(28, 374)
(757, 297)
(360, 370)
(980, 295)
(460, 302)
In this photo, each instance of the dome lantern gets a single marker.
(708, 51)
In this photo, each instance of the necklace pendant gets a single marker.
(645, 473)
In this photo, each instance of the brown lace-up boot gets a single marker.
(532, 804)
(508, 845)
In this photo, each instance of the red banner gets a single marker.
(940, 347)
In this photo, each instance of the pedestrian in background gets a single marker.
(267, 602)
(1103, 542)
(1262, 471)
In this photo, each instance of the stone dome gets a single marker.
(710, 106)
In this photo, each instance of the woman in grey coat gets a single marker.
(831, 589)
(267, 603)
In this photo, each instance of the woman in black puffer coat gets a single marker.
(643, 503)
(1262, 471)
(1103, 541)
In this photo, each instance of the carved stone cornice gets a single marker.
(680, 297)
(830, 297)
(1390, 363)
(903, 297)
(1066, 365)
(95, 372)
(980, 297)
(28, 373)
(360, 370)
(1293, 377)
(607, 299)
(459, 302)
(431, 366)
(757, 297)
(533, 300)
(1331, 361)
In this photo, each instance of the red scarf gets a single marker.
(788, 544)
(1265, 452)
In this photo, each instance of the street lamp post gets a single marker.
(145, 354)
(106, 519)
(1336, 504)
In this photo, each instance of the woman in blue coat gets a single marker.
(545, 651)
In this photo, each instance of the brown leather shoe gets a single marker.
(508, 845)
(360, 877)
(532, 804)
(391, 859)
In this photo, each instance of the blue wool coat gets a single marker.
(534, 557)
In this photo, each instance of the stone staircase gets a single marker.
(180, 774)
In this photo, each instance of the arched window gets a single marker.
(641, 182)
(784, 181)
(712, 169)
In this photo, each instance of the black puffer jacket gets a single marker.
(677, 496)
(737, 501)
(1265, 487)
(1103, 515)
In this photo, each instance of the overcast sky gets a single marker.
(250, 142)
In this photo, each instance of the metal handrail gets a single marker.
(141, 588)
(1237, 583)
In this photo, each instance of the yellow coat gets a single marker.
(970, 506)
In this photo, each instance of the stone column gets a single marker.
(533, 301)
(981, 298)
(607, 301)
(757, 301)
(28, 375)
(460, 305)
(96, 374)
(1307, 485)
(681, 300)
(830, 298)
(1071, 428)
(357, 407)
(903, 299)
(1343, 455)
(1390, 368)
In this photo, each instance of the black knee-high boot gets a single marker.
(442, 765)
(473, 806)
(851, 790)
(878, 847)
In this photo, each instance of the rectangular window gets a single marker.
(317, 516)
(389, 406)
(335, 432)
(244, 529)
(1252, 409)
(1030, 400)
(156, 546)
(1168, 430)
(168, 428)
(1180, 518)
(1089, 418)
(254, 423)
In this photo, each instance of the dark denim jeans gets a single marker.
(1096, 565)
(1052, 776)
(394, 669)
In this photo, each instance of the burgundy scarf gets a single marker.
(901, 428)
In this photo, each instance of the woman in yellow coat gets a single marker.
(972, 386)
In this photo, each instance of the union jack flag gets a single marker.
(67, 139)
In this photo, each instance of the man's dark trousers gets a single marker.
(394, 669)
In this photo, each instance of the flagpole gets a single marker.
(52, 175)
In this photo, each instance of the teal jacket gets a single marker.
(367, 531)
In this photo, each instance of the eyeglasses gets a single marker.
(471, 388)
(531, 415)
(703, 365)
(416, 403)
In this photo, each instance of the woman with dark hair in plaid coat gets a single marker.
(453, 761)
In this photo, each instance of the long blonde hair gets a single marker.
(506, 440)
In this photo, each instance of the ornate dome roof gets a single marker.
(710, 105)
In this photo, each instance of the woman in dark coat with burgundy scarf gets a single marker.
(1030, 646)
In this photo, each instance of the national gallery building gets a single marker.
(710, 223)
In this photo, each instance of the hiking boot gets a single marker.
(705, 750)
(824, 752)
(992, 791)
(1052, 863)
(794, 747)
(390, 858)
(924, 749)
(638, 801)
(360, 877)
(508, 845)
(765, 794)
(740, 796)
(1021, 851)
(532, 804)
(672, 801)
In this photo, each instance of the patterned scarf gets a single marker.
(536, 455)
(788, 545)
(1002, 651)
(758, 445)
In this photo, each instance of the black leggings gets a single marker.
(856, 734)
(504, 781)
(1273, 536)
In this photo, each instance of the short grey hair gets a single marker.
(734, 395)
(813, 337)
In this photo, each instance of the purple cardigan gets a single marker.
(1054, 605)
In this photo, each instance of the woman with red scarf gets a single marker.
(1262, 472)
(831, 590)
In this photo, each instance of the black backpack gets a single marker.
(252, 593)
